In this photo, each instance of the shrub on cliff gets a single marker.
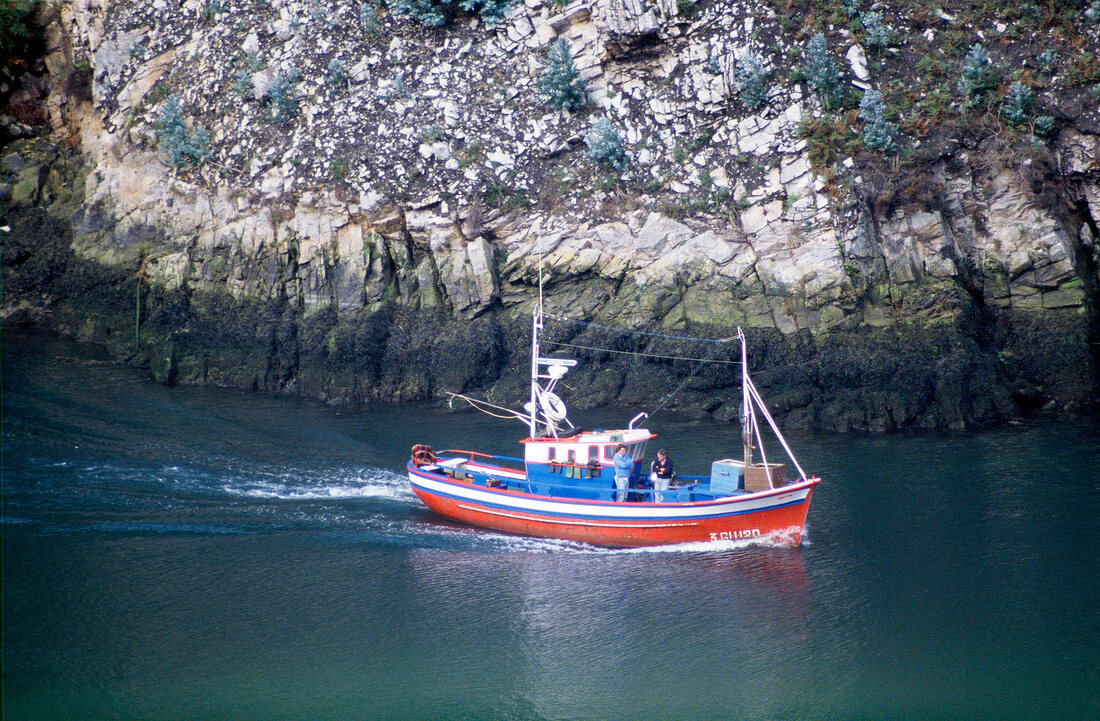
(821, 73)
(977, 75)
(283, 96)
(437, 13)
(878, 34)
(751, 80)
(605, 145)
(368, 17)
(560, 83)
(878, 133)
(183, 145)
(242, 84)
(16, 25)
(1018, 103)
(337, 74)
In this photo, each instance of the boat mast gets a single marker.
(746, 410)
(536, 326)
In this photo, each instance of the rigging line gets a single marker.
(637, 332)
(644, 355)
(477, 404)
(682, 384)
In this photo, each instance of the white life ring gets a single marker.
(553, 407)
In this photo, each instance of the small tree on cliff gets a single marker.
(183, 145)
(560, 83)
(283, 96)
(821, 73)
(751, 80)
(437, 13)
(878, 133)
(977, 76)
(605, 145)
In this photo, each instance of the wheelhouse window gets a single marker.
(593, 453)
(551, 454)
(609, 452)
(571, 455)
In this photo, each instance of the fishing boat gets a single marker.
(564, 487)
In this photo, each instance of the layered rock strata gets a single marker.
(386, 243)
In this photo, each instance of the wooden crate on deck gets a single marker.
(756, 477)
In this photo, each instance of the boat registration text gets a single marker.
(733, 535)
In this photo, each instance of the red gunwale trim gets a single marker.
(809, 482)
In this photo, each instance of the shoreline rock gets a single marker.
(380, 236)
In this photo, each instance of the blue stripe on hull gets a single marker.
(725, 511)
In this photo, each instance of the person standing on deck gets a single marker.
(624, 464)
(660, 474)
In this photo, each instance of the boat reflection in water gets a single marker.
(573, 632)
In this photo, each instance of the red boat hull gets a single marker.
(782, 523)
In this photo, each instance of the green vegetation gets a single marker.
(437, 13)
(977, 75)
(605, 145)
(560, 83)
(242, 83)
(339, 169)
(821, 73)
(878, 35)
(827, 139)
(424, 12)
(877, 133)
(17, 33)
(337, 74)
(470, 154)
(751, 80)
(16, 25)
(504, 197)
(283, 97)
(368, 17)
(1018, 103)
(184, 146)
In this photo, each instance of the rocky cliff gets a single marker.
(352, 200)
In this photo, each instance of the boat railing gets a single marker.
(473, 454)
(606, 488)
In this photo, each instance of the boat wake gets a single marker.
(776, 539)
(374, 483)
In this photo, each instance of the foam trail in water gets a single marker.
(340, 483)
(776, 539)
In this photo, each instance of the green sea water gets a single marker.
(189, 553)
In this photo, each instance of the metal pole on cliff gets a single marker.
(137, 311)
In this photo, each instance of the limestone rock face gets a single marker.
(628, 24)
(354, 167)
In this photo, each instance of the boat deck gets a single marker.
(689, 489)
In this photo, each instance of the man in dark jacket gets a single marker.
(660, 474)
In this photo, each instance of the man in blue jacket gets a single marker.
(624, 464)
